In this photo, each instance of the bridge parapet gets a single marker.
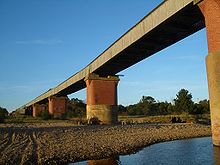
(150, 35)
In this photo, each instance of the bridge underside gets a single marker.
(169, 23)
(184, 23)
(146, 38)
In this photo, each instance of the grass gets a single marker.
(165, 118)
(129, 119)
(28, 119)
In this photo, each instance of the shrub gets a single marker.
(44, 115)
(94, 121)
(3, 114)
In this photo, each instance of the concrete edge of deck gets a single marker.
(165, 10)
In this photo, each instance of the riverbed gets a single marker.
(54, 143)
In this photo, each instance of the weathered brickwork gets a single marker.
(38, 108)
(102, 98)
(101, 92)
(57, 105)
(211, 11)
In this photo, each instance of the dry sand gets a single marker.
(61, 143)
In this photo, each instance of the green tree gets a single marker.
(164, 108)
(134, 110)
(183, 102)
(3, 114)
(76, 108)
(147, 100)
(150, 107)
(146, 106)
(170, 108)
(44, 115)
(202, 107)
(122, 110)
(205, 105)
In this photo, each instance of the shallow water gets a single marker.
(196, 151)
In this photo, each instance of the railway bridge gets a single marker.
(170, 22)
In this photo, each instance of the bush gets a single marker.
(3, 114)
(2, 119)
(44, 115)
(94, 121)
(76, 108)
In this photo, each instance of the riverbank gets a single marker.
(60, 143)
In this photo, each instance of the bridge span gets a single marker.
(170, 22)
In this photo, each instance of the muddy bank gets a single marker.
(60, 143)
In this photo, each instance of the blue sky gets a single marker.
(44, 42)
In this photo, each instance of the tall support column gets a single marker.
(211, 12)
(57, 106)
(38, 108)
(102, 98)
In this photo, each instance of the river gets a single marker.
(196, 151)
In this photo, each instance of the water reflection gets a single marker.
(191, 151)
(216, 151)
(114, 160)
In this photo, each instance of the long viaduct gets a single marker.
(167, 24)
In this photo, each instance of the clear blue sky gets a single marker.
(43, 42)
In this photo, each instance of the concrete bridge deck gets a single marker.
(170, 22)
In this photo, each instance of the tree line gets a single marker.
(76, 108)
(182, 104)
(148, 106)
(3, 114)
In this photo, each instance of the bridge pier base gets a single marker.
(38, 108)
(57, 106)
(211, 12)
(102, 98)
(213, 72)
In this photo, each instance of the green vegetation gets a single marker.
(186, 118)
(30, 119)
(183, 104)
(22, 119)
(3, 114)
(182, 109)
(76, 108)
(44, 115)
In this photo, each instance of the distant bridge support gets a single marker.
(57, 106)
(38, 108)
(102, 98)
(211, 12)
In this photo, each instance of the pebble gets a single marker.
(59, 144)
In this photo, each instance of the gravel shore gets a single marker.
(60, 143)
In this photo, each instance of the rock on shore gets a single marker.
(58, 144)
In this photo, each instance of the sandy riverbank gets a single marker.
(60, 143)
